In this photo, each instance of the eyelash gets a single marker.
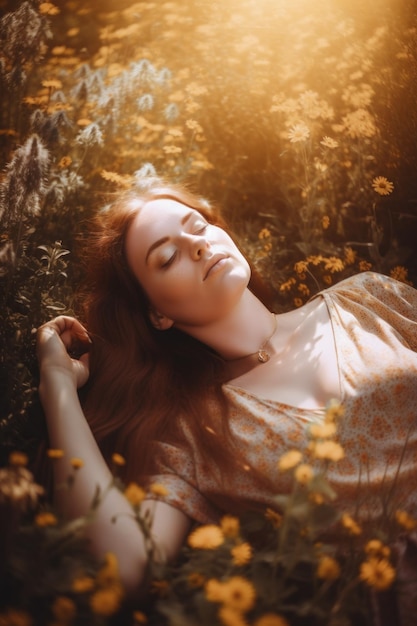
(172, 258)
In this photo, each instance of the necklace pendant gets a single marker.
(263, 356)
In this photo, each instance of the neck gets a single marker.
(239, 334)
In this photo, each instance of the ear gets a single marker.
(160, 321)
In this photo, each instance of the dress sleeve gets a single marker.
(176, 471)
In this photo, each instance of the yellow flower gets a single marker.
(135, 494)
(405, 520)
(239, 593)
(364, 266)
(214, 590)
(328, 450)
(242, 553)
(333, 264)
(376, 548)
(206, 537)
(289, 460)
(230, 525)
(77, 463)
(323, 431)
(350, 255)
(399, 273)
(113, 177)
(377, 573)
(274, 517)
(194, 125)
(271, 619)
(106, 602)
(65, 162)
(301, 267)
(55, 453)
(328, 142)
(349, 523)
(46, 519)
(47, 8)
(231, 617)
(18, 458)
(327, 279)
(265, 233)
(158, 490)
(17, 487)
(64, 609)
(298, 302)
(83, 584)
(286, 286)
(382, 186)
(303, 474)
(302, 288)
(298, 132)
(118, 459)
(139, 617)
(328, 568)
(325, 222)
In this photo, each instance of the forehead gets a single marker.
(154, 220)
(155, 213)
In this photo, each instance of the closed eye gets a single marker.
(200, 229)
(169, 261)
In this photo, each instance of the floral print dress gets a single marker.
(374, 321)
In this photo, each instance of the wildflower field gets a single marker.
(299, 119)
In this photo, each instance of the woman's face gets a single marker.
(191, 271)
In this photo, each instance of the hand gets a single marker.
(57, 340)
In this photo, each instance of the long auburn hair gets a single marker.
(143, 380)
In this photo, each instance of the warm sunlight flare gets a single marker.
(154, 469)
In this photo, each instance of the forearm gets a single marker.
(69, 431)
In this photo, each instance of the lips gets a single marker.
(212, 262)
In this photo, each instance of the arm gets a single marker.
(60, 376)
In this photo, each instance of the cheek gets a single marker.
(172, 289)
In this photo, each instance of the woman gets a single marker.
(201, 388)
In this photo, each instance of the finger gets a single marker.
(68, 329)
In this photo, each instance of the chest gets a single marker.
(303, 371)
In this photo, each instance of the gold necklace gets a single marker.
(262, 354)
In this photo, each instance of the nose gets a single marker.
(198, 246)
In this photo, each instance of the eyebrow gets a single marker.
(163, 240)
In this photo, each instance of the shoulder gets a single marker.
(376, 292)
(372, 283)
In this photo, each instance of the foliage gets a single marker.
(303, 562)
(299, 122)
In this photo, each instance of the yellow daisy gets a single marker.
(382, 186)
(207, 537)
(377, 573)
(242, 553)
(328, 568)
(239, 593)
(230, 525)
(135, 494)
